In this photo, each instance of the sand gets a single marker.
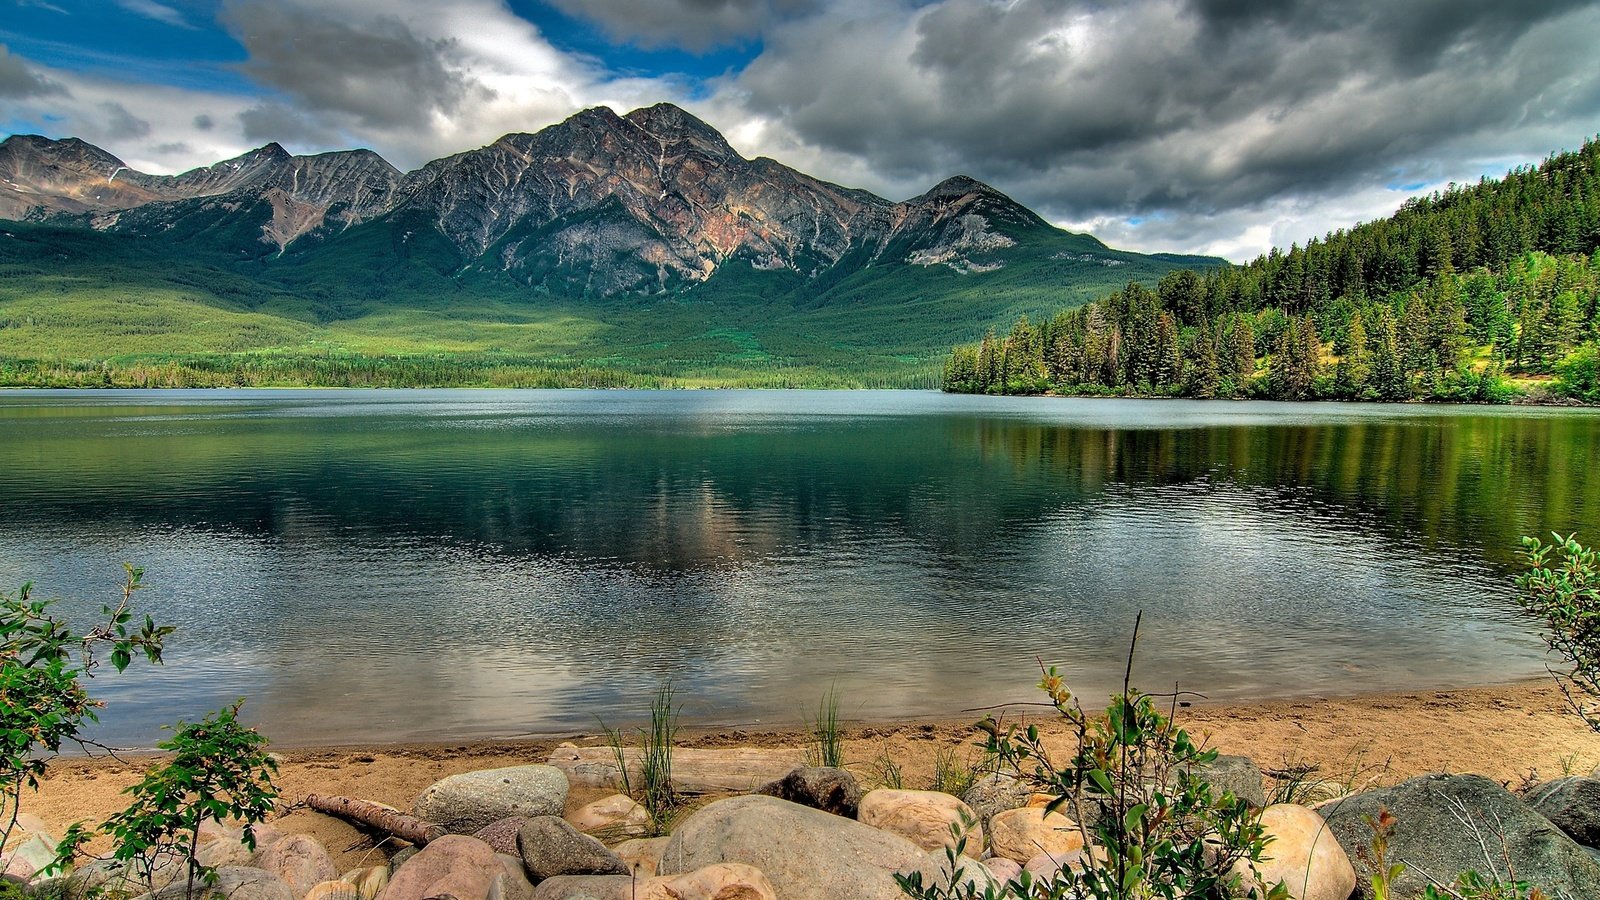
(1511, 733)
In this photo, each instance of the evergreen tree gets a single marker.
(1388, 379)
(1204, 373)
(1354, 370)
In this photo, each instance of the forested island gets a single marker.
(1480, 293)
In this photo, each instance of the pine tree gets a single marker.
(1204, 373)
(1240, 368)
(1389, 380)
(1355, 368)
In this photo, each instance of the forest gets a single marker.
(1478, 293)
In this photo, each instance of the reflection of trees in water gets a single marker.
(676, 499)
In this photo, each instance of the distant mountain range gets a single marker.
(578, 217)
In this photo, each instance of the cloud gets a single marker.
(695, 25)
(19, 81)
(160, 12)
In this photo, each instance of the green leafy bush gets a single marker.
(1561, 588)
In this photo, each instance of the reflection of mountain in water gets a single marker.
(667, 494)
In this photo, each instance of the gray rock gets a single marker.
(470, 801)
(807, 854)
(996, 793)
(298, 861)
(585, 887)
(550, 846)
(819, 787)
(1573, 804)
(233, 883)
(1238, 774)
(401, 856)
(514, 883)
(1448, 824)
(502, 835)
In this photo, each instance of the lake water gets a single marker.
(388, 565)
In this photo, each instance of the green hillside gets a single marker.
(390, 304)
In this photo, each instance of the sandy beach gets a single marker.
(1508, 732)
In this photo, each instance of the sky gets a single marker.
(1199, 126)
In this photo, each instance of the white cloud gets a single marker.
(160, 12)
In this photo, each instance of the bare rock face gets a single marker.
(600, 204)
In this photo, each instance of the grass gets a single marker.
(827, 741)
(654, 790)
(80, 308)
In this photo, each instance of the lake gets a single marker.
(433, 565)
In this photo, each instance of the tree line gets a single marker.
(1439, 301)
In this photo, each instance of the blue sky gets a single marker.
(1181, 125)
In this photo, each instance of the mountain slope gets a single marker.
(643, 242)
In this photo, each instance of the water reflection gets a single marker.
(435, 564)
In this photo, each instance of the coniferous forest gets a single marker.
(1480, 293)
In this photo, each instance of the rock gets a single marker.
(298, 861)
(502, 834)
(1573, 804)
(333, 890)
(550, 847)
(369, 882)
(225, 848)
(1022, 834)
(1004, 870)
(1447, 824)
(925, 817)
(819, 787)
(728, 881)
(402, 856)
(30, 856)
(996, 793)
(470, 801)
(462, 867)
(513, 883)
(693, 771)
(617, 814)
(233, 883)
(1304, 855)
(1238, 774)
(805, 853)
(642, 855)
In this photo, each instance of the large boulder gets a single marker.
(368, 882)
(1022, 834)
(1238, 774)
(819, 787)
(463, 867)
(550, 846)
(694, 771)
(298, 861)
(333, 890)
(725, 881)
(996, 793)
(514, 883)
(618, 815)
(925, 817)
(502, 835)
(642, 855)
(233, 883)
(1448, 824)
(805, 853)
(470, 801)
(1573, 804)
(1304, 855)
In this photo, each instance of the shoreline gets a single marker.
(1509, 732)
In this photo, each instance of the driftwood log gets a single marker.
(377, 816)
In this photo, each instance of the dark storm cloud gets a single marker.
(18, 81)
(1199, 108)
(118, 123)
(691, 24)
(377, 72)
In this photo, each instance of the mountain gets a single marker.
(591, 218)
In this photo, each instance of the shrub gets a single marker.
(1561, 588)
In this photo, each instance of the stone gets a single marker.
(1004, 870)
(333, 890)
(996, 793)
(642, 855)
(30, 856)
(299, 862)
(925, 817)
(226, 848)
(1573, 804)
(233, 883)
(369, 882)
(502, 834)
(402, 856)
(617, 814)
(1022, 834)
(1448, 824)
(717, 771)
(460, 866)
(805, 853)
(1238, 774)
(550, 846)
(819, 787)
(1304, 855)
(513, 883)
(470, 801)
(727, 881)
